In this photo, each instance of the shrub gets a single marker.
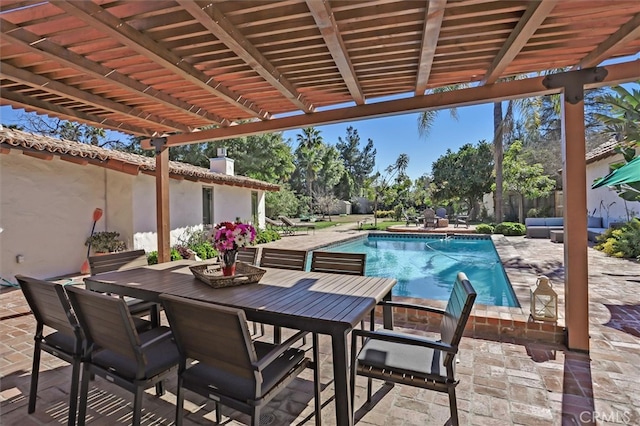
(510, 228)
(204, 250)
(152, 257)
(266, 236)
(533, 213)
(385, 213)
(622, 242)
(483, 228)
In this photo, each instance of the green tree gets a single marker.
(382, 183)
(308, 159)
(464, 176)
(283, 203)
(623, 117)
(358, 164)
(526, 180)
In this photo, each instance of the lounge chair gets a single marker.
(277, 226)
(430, 219)
(293, 226)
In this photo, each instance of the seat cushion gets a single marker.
(205, 379)
(403, 358)
(62, 342)
(160, 356)
(554, 221)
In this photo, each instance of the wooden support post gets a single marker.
(574, 181)
(162, 199)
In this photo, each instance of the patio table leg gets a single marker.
(344, 410)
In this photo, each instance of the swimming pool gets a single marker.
(427, 266)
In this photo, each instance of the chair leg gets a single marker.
(369, 387)
(84, 393)
(255, 417)
(35, 372)
(453, 406)
(218, 413)
(137, 406)
(160, 388)
(180, 402)
(73, 393)
(316, 379)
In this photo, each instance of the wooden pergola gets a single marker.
(182, 71)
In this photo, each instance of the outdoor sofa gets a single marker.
(540, 227)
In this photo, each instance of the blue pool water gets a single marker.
(426, 267)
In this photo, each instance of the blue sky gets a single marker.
(393, 136)
(397, 135)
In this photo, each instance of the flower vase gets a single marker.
(228, 261)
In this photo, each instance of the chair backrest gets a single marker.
(441, 212)
(457, 311)
(287, 221)
(429, 213)
(338, 263)
(49, 305)
(196, 325)
(284, 259)
(106, 322)
(248, 255)
(117, 261)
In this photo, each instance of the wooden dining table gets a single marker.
(330, 304)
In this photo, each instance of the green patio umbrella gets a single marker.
(625, 175)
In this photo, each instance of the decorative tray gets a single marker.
(211, 274)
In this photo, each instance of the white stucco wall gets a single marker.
(605, 202)
(46, 211)
(185, 210)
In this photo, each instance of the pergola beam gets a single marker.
(628, 32)
(34, 80)
(99, 18)
(617, 73)
(323, 15)
(33, 43)
(44, 107)
(210, 17)
(536, 13)
(434, 14)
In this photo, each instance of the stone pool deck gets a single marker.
(504, 379)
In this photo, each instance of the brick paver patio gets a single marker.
(504, 379)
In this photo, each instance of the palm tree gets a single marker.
(309, 157)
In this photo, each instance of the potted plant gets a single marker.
(105, 242)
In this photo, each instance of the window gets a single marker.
(207, 206)
(254, 208)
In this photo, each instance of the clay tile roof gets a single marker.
(16, 139)
(602, 151)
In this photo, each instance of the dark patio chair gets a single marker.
(414, 360)
(248, 255)
(237, 372)
(50, 307)
(126, 260)
(125, 358)
(338, 263)
(295, 260)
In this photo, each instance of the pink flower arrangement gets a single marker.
(227, 236)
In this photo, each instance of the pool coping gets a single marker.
(486, 321)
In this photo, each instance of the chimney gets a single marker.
(221, 164)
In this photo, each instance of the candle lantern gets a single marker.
(544, 301)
